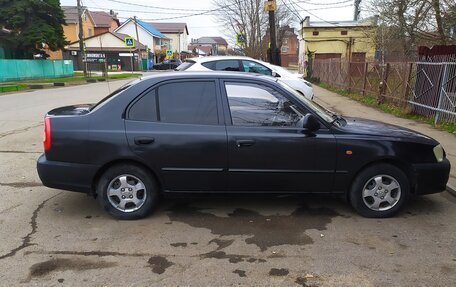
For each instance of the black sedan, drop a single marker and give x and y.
(221, 132)
(168, 64)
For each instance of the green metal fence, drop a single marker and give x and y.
(14, 70)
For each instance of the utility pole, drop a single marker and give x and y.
(81, 38)
(271, 6)
(137, 43)
(357, 11)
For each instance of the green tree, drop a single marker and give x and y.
(32, 25)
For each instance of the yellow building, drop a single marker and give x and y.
(344, 40)
(93, 23)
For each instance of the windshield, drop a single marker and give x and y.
(185, 65)
(282, 71)
(319, 110)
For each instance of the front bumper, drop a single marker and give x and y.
(67, 176)
(431, 177)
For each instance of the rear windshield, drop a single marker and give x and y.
(185, 65)
(116, 92)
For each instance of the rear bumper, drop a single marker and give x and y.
(431, 177)
(66, 176)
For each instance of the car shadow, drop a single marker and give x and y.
(77, 205)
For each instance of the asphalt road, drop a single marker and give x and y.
(56, 238)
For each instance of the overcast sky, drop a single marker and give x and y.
(206, 25)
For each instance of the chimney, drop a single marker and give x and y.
(306, 21)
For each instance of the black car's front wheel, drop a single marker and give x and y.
(127, 191)
(379, 191)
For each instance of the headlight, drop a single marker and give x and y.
(439, 153)
(308, 84)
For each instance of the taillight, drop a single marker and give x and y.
(47, 134)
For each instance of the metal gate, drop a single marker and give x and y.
(434, 92)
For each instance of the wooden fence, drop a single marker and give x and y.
(429, 89)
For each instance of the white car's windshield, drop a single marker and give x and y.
(282, 71)
(323, 113)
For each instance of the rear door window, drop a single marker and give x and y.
(227, 65)
(209, 65)
(188, 103)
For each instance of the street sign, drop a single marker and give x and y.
(169, 53)
(270, 5)
(241, 39)
(129, 42)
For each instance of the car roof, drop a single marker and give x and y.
(217, 58)
(207, 75)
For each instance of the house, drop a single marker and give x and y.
(177, 34)
(349, 40)
(106, 51)
(93, 23)
(147, 34)
(103, 21)
(287, 43)
(213, 45)
(71, 29)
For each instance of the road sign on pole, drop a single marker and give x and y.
(129, 42)
(241, 39)
(270, 5)
(169, 53)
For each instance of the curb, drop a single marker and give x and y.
(451, 189)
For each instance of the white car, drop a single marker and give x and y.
(246, 64)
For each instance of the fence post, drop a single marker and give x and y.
(407, 83)
(366, 67)
(442, 92)
(383, 84)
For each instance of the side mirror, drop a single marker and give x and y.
(274, 74)
(311, 123)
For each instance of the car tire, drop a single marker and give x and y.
(127, 192)
(379, 191)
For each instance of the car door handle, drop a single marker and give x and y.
(144, 140)
(245, 143)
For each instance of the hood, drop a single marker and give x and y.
(75, 110)
(369, 127)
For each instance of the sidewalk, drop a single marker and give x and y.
(351, 108)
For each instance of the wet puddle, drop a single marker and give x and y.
(264, 231)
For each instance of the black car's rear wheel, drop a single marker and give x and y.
(127, 191)
(379, 191)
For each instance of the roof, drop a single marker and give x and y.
(210, 40)
(170, 27)
(368, 22)
(71, 14)
(149, 28)
(215, 58)
(208, 74)
(120, 36)
(102, 19)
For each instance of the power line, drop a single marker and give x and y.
(157, 7)
(312, 14)
(327, 8)
(294, 8)
(138, 11)
(292, 12)
(323, 4)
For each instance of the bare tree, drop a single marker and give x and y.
(248, 17)
(439, 22)
(410, 23)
